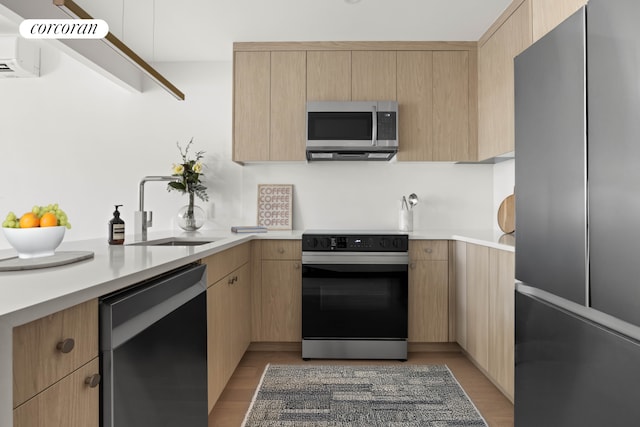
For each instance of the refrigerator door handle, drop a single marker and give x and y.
(587, 313)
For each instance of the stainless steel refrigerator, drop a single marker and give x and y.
(577, 172)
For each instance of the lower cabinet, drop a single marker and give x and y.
(478, 304)
(281, 300)
(56, 369)
(278, 295)
(485, 285)
(502, 318)
(428, 291)
(228, 323)
(71, 402)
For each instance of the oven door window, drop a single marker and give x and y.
(354, 301)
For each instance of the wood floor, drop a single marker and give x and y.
(234, 402)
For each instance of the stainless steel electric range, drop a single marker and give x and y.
(354, 295)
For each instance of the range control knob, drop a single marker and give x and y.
(384, 242)
(311, 242)
(325, 242)
(397, 243)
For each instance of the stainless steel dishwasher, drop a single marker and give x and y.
(153, 352)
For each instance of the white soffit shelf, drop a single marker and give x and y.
(97, 54)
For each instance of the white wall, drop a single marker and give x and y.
(367, 195)
(75, 138)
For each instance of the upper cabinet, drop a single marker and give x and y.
(252, 105)
(339, 75)
(373, 75)
(329, 75)
(454, 104)
(434, 84)
(547, 14)
(436, 97)
(269, 102)
(288, 98)
(521, 24)
(509, 36)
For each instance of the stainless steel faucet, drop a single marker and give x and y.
(142, 219)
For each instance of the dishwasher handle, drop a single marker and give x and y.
(124, 315)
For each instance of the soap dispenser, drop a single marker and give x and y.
(116, 228)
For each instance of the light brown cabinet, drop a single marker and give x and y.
(52, 359)
(329, 75)
(433, 82)
(522, 23)
(415, 103)
(351, 75)
(269, 104)
(460, 304)
(288, 101)
(547, 14)
(251, 106)
(277, 292)
(428, 291)
(478, 304)
(436, 95)
(228, 315)
(496, 129)
(502, 319)
(485, 285)
(373, 75)
(70, 402)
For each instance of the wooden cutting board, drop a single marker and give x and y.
(507, 214)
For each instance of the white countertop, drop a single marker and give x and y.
(30, 294)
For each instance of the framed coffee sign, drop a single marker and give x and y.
(275, 206)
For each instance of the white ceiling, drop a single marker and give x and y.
(204, 30)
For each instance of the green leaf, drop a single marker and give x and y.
(177, 185)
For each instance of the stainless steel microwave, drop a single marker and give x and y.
(352, 130)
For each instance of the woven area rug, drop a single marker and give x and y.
(337, 396)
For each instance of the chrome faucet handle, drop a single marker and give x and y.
(149, 219)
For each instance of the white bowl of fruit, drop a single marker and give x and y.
(36, 233)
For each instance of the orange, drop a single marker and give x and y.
(29, 220)
(48, 220)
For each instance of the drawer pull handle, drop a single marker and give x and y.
(232, 280)
(428, 250)
(65, 346)
(297, 266)
(93, 380)
(280, 250)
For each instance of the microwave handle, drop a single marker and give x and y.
(374, 132)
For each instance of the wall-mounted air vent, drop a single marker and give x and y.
(18, 57)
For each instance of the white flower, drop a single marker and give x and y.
(178, 169)
(197, 168)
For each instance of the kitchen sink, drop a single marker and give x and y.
(174, 241)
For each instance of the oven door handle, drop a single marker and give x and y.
(335, 258)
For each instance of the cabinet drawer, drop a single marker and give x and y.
(282, 249)
(223, 263)
(435, 250)
(43, 352)
(69, 402)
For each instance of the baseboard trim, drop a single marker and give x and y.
(412, 346)
(433, 347)
(506, 394)
(276, 346)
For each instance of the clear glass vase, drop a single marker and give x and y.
(191, 217)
